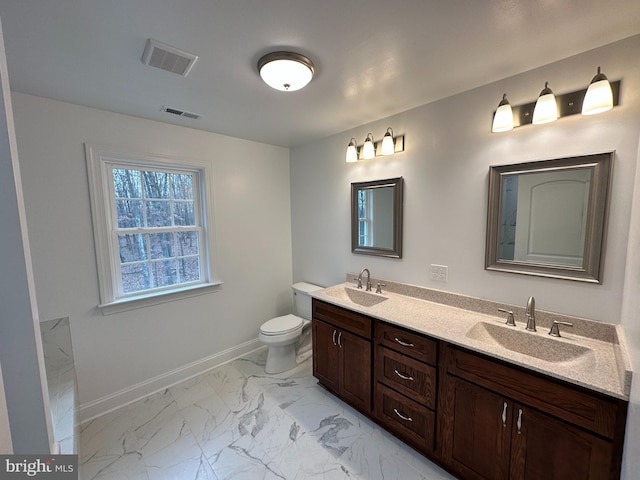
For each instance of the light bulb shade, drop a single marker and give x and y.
(368, 149)
(286, 71)
(546, 109)
(388, 144)
(503, 118)
(599, 96)
(352, 151)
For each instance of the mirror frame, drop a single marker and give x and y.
(601, 165)
(396, 250)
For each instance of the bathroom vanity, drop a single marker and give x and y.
(483, 400)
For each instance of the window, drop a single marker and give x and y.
(364, 218)
(150, 225)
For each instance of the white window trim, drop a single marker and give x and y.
(98, 159)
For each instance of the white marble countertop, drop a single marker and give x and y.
(602, 364)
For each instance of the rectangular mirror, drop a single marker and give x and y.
(548, 218)
(376, 217)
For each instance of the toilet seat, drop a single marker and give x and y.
(281, 325)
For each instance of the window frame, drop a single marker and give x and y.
(100, 162)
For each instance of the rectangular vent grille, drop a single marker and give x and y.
(181, 113)
(163, 56)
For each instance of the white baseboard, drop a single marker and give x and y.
(89, 411)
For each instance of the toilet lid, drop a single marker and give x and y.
(281, 325)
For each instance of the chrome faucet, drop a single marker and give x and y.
(530, 312)
(368, 279)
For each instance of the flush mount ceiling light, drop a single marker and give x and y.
(286, 71)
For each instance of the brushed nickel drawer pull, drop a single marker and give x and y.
(408, 419)
(404, 344)
(340, 339)
(334, 338)
(519, 423)
(402, 376)
(504, 415)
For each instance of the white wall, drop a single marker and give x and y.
(253, 243)
(449, 148)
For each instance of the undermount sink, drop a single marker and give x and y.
(534, 345)
(359, 297)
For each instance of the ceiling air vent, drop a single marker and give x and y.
(180, 113)
(166, 57)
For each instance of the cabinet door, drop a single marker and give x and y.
(548, 448)
(355, 370)
(479, 432)
(326, 355)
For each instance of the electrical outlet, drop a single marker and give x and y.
(439, 273)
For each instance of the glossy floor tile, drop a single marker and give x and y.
(236, 422)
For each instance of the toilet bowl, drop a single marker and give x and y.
(282, 335)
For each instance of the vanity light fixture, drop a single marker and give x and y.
(352, 151)
(601, 96)
(371, 149)
(388, 145)
(286, 71)
(368, 150)
(546, 109)
(503, 119)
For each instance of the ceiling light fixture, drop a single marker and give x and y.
(503, 118)
(286, 71)
(599, 97)
(546, 109)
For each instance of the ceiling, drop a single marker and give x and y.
(373, 58)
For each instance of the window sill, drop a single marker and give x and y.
(142, 301)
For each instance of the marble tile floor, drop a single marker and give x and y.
(236, 422)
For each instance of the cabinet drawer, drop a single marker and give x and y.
(595, 413)
(408, 343)
(414, 379)
(342, 318)
(412, 422)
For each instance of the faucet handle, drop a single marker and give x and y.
(379, 287)
(555, 329)
(510, 320)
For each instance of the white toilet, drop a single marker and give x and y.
(283, 334)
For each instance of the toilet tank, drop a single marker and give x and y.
(302, 299)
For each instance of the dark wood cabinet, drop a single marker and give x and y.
(342, 360)
(405, 376)
(545, 447)
(495, 431)
(480, 418)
